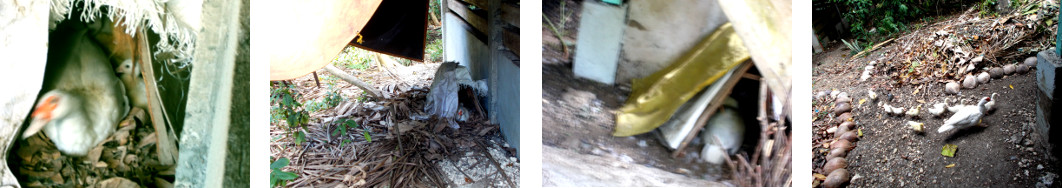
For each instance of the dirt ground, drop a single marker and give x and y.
(1003, 154)
(578, 120)
(577, 116)
(127, 156)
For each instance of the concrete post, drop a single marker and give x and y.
(1048, 106)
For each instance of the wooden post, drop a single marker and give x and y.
(167, 148)
(713, 106)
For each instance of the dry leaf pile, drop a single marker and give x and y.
(405, 149)
(946, 49)
(127, 157)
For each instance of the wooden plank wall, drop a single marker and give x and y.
(477, 18)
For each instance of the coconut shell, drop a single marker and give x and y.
(851, 136)
(837, 152)
(983, 78)
(842, 108)
(1022, 68)
(843, 99)
(1030, 61)
(996, 72)
(842, 144)
(952, 87)
(839, 178)
(969, 82)
(844, 117)
(850, 125)
(842, 95)
(840, 130)
(834, 164)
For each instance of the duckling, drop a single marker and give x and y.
(937, 109)
(957, 107)
(916, 126)
(133, 80)
(887, 108)
(914, 111)
(891, 110)
(991, 105)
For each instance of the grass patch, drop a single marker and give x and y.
(433, 52)
(354, 58)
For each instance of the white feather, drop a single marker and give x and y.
(966, 117)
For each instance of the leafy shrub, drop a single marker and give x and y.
(276, 175)
(870, 19)
(289, 110)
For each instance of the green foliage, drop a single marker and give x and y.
(345, 124)
(882, 18)
(289, 110)
(331, 99)
(342, 129)
(434, 50)
(853, 46)
(986, 7)
(354, 58)
(278, 177)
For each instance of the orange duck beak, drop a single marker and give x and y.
(41, 116)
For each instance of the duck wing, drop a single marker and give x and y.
(81, 68)
(966, 117)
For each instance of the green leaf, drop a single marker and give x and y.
(366, 135)
(286, 175)
(949, 150)
(280, 163)
(288, 100)
(299, 138)
(351, 123)
(342, 129)
(291, 121)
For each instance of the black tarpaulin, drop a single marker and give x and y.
(398, 28)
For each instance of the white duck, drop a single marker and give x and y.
(991, 105)
(966, 117)
(83, 101)
(937, 109)
(892, 110)
(727, 126)
(957, 107)
(133, 80)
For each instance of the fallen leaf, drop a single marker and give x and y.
(820, 176)
(921, 101)
(860, 131)
(861, 101)
(1011, 86)
(916, 91)
(949, 150)
(950, 165)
